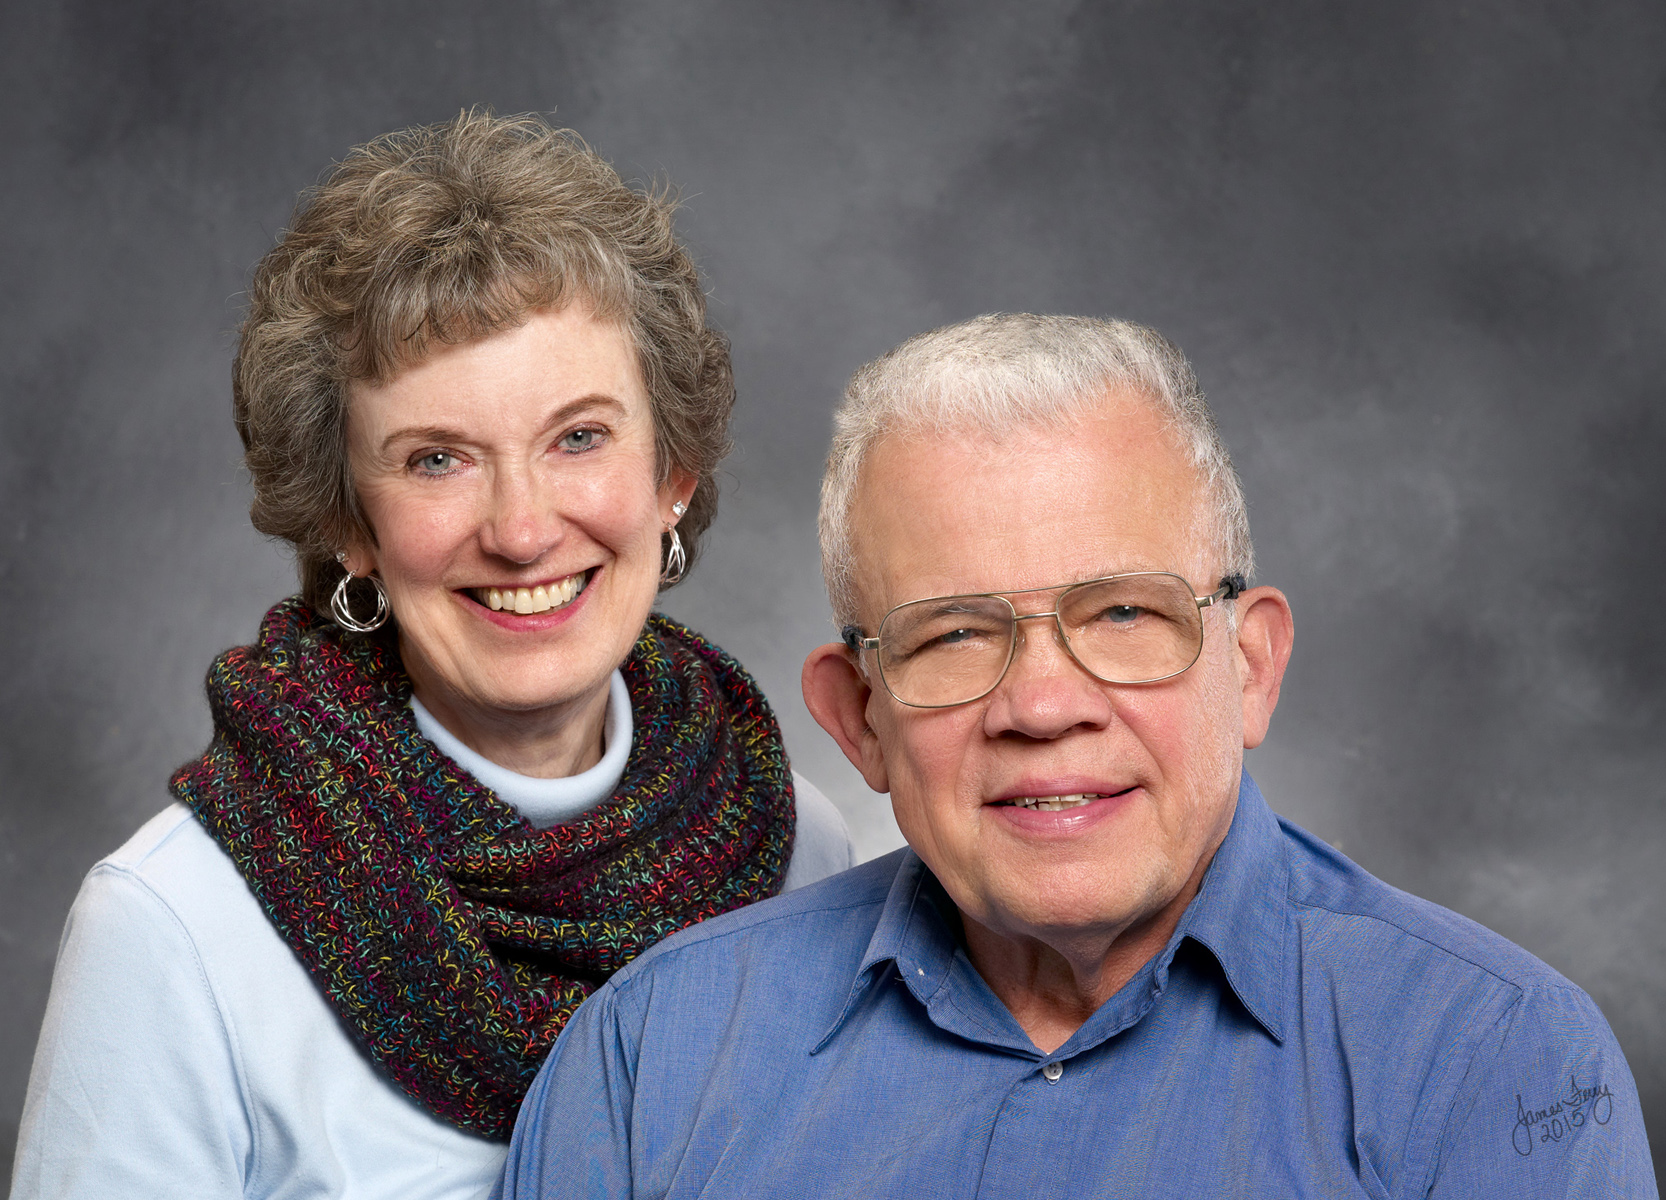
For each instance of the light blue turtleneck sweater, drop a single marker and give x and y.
(187, 1050)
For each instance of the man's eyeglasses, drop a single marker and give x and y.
(1140, 627)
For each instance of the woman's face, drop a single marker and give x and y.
(510, 485)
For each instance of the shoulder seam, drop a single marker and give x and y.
(135, 864)
(1559, 984)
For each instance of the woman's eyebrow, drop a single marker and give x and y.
(421, 433)
(446, 434)
(574, 407)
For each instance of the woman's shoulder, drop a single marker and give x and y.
(169, 835)
(172, 896)
(173, 859)
(185, 1040)
(821, 845)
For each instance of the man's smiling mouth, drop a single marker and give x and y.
(1054, 803)
(526, 601)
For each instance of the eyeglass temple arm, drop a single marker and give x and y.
(852, 638)
(1232, 586)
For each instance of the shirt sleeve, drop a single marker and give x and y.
(134, 1088)
(573, 1135)
(1550, 1110)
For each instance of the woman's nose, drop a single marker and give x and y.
(1045, 692)
(524, 521)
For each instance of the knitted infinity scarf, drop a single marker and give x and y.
(453, 937)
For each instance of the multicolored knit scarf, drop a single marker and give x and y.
(452, 936)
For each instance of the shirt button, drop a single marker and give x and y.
(1052, 1071)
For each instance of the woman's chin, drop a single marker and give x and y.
(529, 692)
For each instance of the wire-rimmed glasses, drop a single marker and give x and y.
(1139, 627)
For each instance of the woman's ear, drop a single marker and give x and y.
(837, 695)
(357, 558)
(677, 489)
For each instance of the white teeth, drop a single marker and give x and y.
(1055, 803)
(532, 600)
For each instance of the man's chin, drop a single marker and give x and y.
(1072, 902)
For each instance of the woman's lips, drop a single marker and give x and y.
(531, 601)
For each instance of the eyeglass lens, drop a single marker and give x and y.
(1128, 629)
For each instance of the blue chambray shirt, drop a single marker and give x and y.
(1308, 1031)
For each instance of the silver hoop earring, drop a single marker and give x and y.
(345, 618)
(676, 562)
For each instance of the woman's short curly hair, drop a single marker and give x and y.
(442, 234)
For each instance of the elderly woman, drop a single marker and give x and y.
(466, 774)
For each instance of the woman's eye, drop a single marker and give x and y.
(580, 439)
(437, 462)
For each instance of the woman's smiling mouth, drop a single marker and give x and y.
(527, 601)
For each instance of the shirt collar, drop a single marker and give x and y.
(912, 934)
(1239, 915)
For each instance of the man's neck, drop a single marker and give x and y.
(1053, 982)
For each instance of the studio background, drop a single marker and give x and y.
(1415, 251)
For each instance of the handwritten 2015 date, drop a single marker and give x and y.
(1535, 1126)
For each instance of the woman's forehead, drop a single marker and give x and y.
(551, 359)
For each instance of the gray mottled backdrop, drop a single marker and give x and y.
(1416, 251)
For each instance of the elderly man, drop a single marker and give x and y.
(1102, 967)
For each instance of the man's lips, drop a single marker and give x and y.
(1060, 810)
(1049, 800)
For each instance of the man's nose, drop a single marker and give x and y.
(1045, 692)
(523, 521)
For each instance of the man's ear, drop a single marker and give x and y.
(1266, 635)
(837, 696)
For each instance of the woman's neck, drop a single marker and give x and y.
(547, 743)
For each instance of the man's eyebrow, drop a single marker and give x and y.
(426, 434)
(950, 606)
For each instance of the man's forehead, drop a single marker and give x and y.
(937, 512)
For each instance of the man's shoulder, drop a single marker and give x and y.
(1373, 924)
(835, 917)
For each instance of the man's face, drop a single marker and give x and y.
(1109, 493)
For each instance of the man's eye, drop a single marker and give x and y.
(1121, 614)
(580, 439)
(436, 463)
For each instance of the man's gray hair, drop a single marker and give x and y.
(1006, 371)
